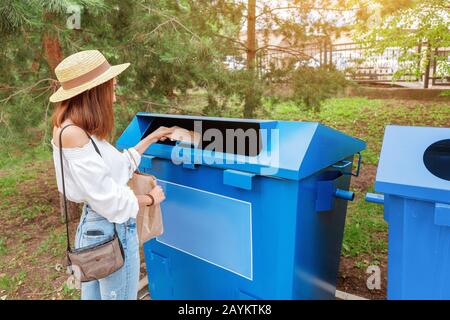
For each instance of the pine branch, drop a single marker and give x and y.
(243, 45)
(271, 10)
(26, 89)
(291, 51)
(14, 15)
(171, 106)
(173, 19)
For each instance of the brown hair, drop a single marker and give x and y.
(91, 110)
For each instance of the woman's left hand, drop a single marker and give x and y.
(158, 194)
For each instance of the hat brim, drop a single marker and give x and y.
(61, 94)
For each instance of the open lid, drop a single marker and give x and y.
(414, 162)
(286, 149)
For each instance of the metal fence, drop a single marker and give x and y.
(354, 60)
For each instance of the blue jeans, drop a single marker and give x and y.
(122, 284)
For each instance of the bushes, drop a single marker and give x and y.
(312, 86)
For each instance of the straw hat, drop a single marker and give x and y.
(83, 71)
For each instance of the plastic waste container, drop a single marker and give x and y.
(258, 215)
(414, 176)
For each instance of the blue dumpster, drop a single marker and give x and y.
(414, 176)
(260, 221)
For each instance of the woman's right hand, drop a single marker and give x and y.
(158, 194)
(161, 133)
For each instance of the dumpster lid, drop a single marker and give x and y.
(301, 149)
(414, 162)
(308, 147)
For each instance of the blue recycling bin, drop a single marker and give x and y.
(259, 218)
(414, 176)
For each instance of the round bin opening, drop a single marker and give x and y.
(437, 159)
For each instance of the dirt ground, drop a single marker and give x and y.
(33, 263)
(352, 279)
(366, 178)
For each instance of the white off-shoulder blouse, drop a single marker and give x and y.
(100, 181)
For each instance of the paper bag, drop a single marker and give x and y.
(149, 221)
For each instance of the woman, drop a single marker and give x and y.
(85, 100)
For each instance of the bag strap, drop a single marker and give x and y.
(63, 182)
(134, 161)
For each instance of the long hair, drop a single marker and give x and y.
(91, 110)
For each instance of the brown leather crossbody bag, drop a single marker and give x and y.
(96, 261)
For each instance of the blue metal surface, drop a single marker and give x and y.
(189, 224)
(238, 179)
(418, 253)
(417, 209)
(327, 189)
(318, 241)
(146, 161)
(401, 170)
(234, 232)
(304, 147)
(442, 214)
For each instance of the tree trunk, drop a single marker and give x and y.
(321, 54)
(251, 35)
(331, 52)
(426, 79)
(419, 51)
(73, 209)
(51, 45)
(53, 52)
(435, 60)
(250, 99)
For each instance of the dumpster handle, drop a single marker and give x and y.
(346, 163)
(375, 198)
(344, 194)
(359, 165)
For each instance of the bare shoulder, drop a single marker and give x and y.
(72, 137)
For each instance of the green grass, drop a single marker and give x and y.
(363, 228)
(15, 153)
(11, 284)
(3, 248)
(8, 185)
(19, 207)
(19, 166)
(14, 174)
(70, 293)
(54, 244)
